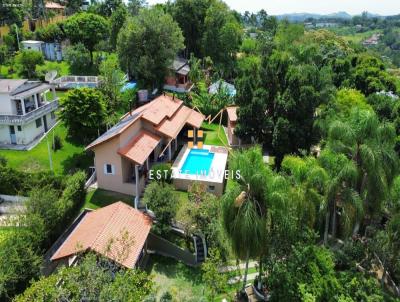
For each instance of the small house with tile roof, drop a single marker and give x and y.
(117, 232)
(144, 136)
(178, 76)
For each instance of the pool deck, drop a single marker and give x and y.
(214, 178)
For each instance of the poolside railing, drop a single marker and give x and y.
(75, 79)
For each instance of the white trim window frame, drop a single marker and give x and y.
(109, 169)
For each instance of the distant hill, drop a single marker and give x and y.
(301, 17)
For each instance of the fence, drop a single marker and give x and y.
(30, 25)
(168, 249)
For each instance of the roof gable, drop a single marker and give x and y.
(103, 231)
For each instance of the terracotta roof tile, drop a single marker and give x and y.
(171, 127)
(166, 113)
(140, 147)
(195, 119)
(102, 231)
(162, 107)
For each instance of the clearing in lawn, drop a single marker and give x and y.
(99, 198)
(214, 134)
(69, 158)
(184, 283)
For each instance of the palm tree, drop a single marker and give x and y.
(372, 163)
(244, 206)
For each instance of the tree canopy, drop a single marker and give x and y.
(147, 46)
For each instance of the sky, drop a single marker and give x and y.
(353, 7)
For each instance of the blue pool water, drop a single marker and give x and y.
(129, 85)
(80, 85)
(198, 162)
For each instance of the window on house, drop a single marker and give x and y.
(53, 115)
(38, 123)
(109, 169)
(211, 188)
(19, 128)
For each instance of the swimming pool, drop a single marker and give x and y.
(198, 161)
(79, 85)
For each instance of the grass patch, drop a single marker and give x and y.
(182, 281)
(350, 34)
(5, 232)
(60, 95)
(214, 135)
(100, 198)
(69, 158)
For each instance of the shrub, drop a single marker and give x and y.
(74, 194)
(3, 161)
(78, 58)
(26, 62)
(14, 182)
(160, 198)
(57, 143)
(83, 112)
(50, 33)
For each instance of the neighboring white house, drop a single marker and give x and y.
(26, 112)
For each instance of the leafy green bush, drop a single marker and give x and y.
(14, 182)
(57, 143)
(50, 33)
(74, 194)
(83, 112)
(3, 161)
(160, 198)
(26, 62)
(78, 58)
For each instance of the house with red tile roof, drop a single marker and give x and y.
(118, 232)
(125, 153)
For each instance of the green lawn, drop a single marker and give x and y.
(4, 232)
(350, 34)
(100, 198)
(68, 159)
(183, 282)
(60, 94)
(62, 69)
(214, 135)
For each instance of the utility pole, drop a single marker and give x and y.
(49, 151)
(16, 31)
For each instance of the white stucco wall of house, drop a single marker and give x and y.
(5, 104)
(4, 134)
(29, 132)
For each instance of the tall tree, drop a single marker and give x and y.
(117, 20)
(245, 206)
(112, 81)
(107, 7)
(147, 46)
(222, 37)
(370, 147)
(190, 15)
(83, 112)
(26, 62)
(88, 29)
(135, 5)
(11, 12)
